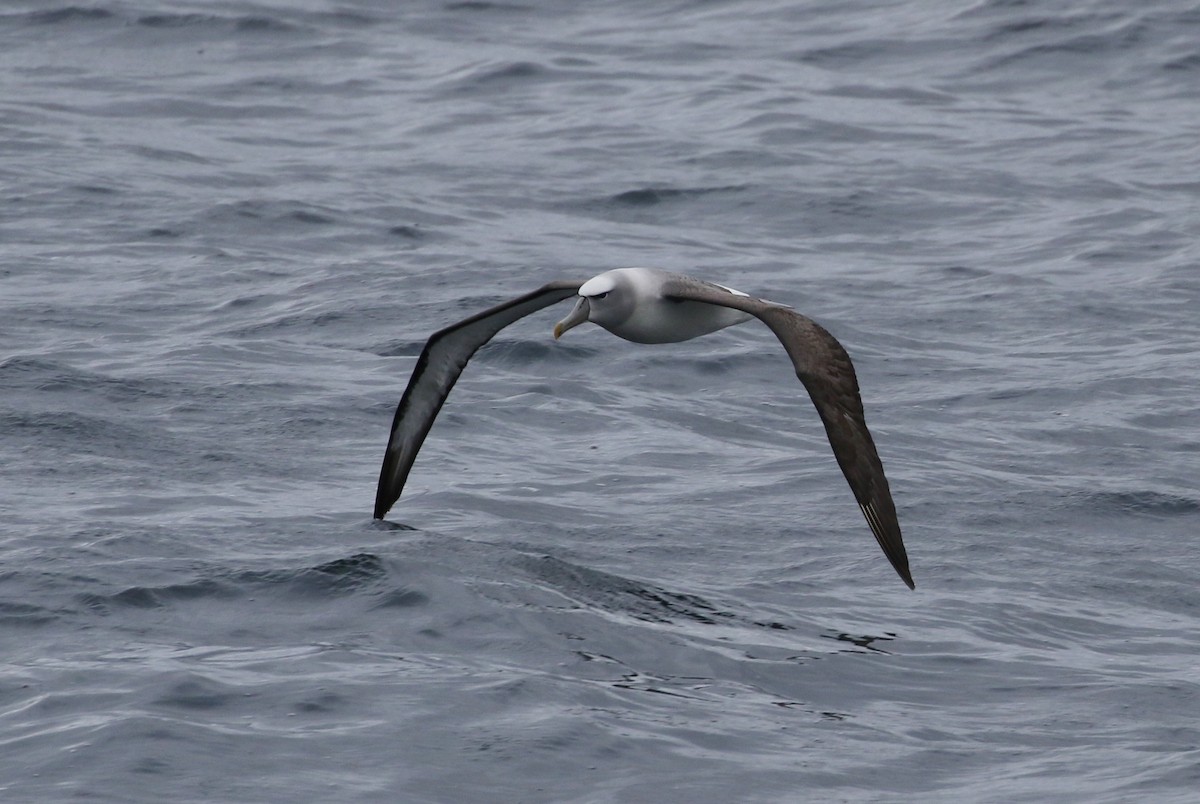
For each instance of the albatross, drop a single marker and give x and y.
(645, 305)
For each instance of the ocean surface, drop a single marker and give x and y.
(619, 573)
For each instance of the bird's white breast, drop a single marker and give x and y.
(658, 320)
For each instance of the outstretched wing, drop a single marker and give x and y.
(441, 362)
(825, 369)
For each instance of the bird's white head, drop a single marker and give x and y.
(607, 299)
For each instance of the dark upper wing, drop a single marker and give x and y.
(828, 375)
(438, 368)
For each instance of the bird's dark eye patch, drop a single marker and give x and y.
(600, 295)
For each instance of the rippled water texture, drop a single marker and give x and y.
(619, 573)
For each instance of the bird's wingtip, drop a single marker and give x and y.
(381, 508)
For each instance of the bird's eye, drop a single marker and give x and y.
(600, 295)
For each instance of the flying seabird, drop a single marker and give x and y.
(645, 305)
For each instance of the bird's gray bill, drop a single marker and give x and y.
(576, 317)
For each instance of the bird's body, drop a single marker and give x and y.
(630, 303)
(644, 305)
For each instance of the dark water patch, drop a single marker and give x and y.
(66, 14)
(274, 85)
(1188, 63)
(305, 322)
(18, 366)
(273, 217)
(864, 643)
(170, 155)
(653, 196)
(250, 23)
(774, 625)
(147, 597)
(497, 79)
(960, 273)
(255, 23)
(307, 216)
(96, 189)
(479, 6)
(321, 703)
(136, 597)
(640, 682)
(348, 17)
(355, 569)
(616, 594)
(862, 53)
(271, 212)
(1063, 49)
(508, 72)
(61, 381)
(359, 574)
(344, 576)
(198, 693)
(189, 108)
(257, 301)
(645, 197)
(199, 589)
(14, 614)
(1142, 503)
(408, 232)
(104, 604)
(401, 599)
(362, 572)
(151, 766)
(83, 434)
(910, 95)
(1042, 24)
(657, 204)
(387, 524)
(175, 21)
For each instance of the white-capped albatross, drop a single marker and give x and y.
(650, 306)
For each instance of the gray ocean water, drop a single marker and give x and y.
(619, 573)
